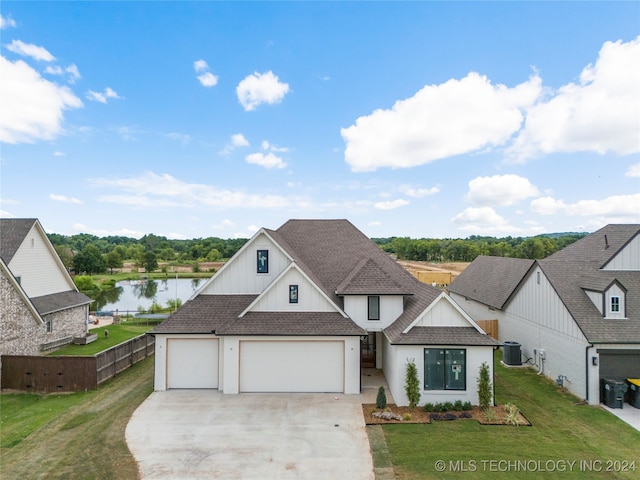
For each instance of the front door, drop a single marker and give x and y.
(368, 351)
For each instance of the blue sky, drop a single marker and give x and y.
(419, 119)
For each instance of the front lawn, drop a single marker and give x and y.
(117, 334)
(562, 432)
(76, 435)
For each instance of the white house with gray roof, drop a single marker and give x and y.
(303, 308)
(575, 313)
(40, 306)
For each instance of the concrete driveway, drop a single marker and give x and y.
(191, 434)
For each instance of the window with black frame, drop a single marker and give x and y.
(445, 369)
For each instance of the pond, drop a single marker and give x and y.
(136, 295)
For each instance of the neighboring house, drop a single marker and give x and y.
(575, 313)
(304, 307)
(40, 306)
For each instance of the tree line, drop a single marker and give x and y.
(89, 254)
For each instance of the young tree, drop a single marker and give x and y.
(150, 262)
(484, 387)
(89, 260)
(412, 384)
(114, 260)
(381, 399)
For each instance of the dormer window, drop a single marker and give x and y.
(263, 261)
(615, 305)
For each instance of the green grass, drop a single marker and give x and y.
(73, 436)
(117, 334)
(561, 431)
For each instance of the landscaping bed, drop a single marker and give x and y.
(499, 415)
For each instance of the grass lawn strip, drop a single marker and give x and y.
(562, 432)
(117, 334)
(74, 436)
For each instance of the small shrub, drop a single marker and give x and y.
(457, 406)
(412, 384)
(450, 416)
(490, 415)
(195, 267)
(387, 409)
(381, 399)
(513, 413)
(435, 416)
(439, 407)
(465, 415)
(447, 406)
(406, 417)
(428, 407)
(467, 406)
(484, 387)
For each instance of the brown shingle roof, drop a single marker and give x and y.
(55, 302)
(292, 323)
(446, 336)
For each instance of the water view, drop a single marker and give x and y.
(136, 295)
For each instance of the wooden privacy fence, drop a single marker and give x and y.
(489, 326)
(71, 373)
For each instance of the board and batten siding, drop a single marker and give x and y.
(38, 267)
(277, 298)
(357, 307)
(239, 275)
(442, 314)
(628, 258)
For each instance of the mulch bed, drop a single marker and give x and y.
(417, 415)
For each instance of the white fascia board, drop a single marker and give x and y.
(292, 266)
(444, 297)
(54, 254)
(247, 245)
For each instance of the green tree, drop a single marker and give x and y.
(114, 260)
(89, 260)
(150, 262)
(65, 254)
(412, 384)
(484, 387)
(381, 398)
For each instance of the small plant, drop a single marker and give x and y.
(372, 411)
(450, 416)
(387, 409)
(467, 406)
(381, 399)
(490, 415)
(513, 413)
(447, 406)
(439, 407)
(457, 406)
(406, 417)
(428, 407)
(484, 387)
(412, 384)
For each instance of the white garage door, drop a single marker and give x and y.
(192, 363)
(291, 366)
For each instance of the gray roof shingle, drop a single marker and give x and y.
(54, 302)
(12, 233)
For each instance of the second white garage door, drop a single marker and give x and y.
(192, 363)
(291, 366)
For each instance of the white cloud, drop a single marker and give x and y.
(598, 114)
(183, 138)
(485, 216)
(200, 66)
(500, 190)
(64, 199)
(58, 153)
(151, 190)
(102, 96)
(267, 161)
(418, 192)
(238, 140)
(374, 223)
(72, 70)
(99, 232)
(260, 88)
(391, 205)
(32, 107)
(7, 22)
(30, 50)
(208, 79)
(634, 171)
(268, 146)
(615, 206)
(453, 118)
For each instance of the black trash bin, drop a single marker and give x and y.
(511, 353)
(613, 392)
(634, 392)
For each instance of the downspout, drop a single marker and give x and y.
(586, 367)
(493, 380)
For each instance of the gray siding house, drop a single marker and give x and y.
(575, 313)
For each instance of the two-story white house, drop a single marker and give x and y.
(575, 313)
(303, 308)
(40, 306)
